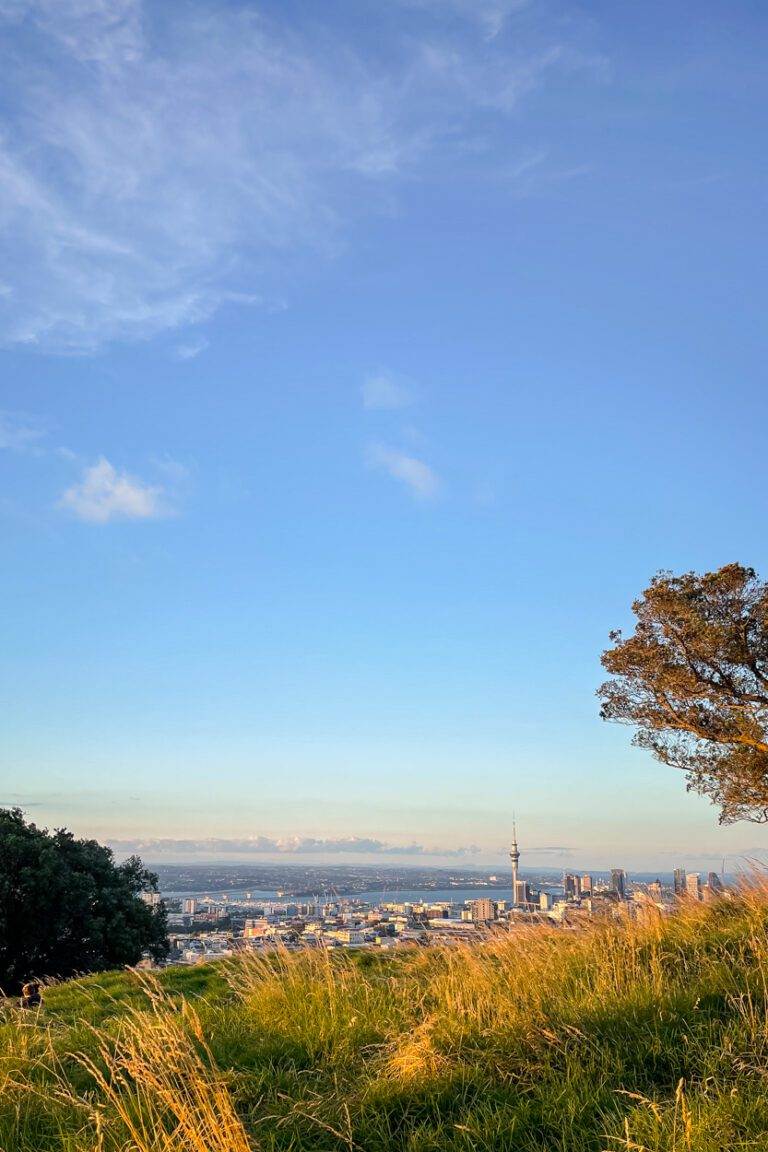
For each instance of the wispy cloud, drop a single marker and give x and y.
(534, 173)
(153, 170)
(386, 392)
(285, 845)
(489, 15)
(105, 493)
(417, 476)
(174, 471)
(191, 348)
(93, 31)
(20, 432)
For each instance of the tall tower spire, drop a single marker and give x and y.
(514, 856)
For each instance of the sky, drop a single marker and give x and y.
(360, 363)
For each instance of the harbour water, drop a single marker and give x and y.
(373, 896)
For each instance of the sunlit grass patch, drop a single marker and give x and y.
(644, 1036)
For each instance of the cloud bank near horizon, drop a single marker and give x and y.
(285, 846)
(371, 850)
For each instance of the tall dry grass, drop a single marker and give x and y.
(649, 1036)
(152, 1084)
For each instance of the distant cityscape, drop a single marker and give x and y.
(213, 914)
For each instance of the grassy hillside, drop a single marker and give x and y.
(621, 1037)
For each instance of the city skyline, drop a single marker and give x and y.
(361, 909)
(361, 365)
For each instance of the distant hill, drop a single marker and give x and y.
(626, 1036)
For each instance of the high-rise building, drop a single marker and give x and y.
(484, 909)
(714, 883)
(514, 856)
(190, 906)
(572, 886)
(523, 896)
(679, 881)
(545, 901)
(693, 885)
(619, 882)
(655, 891)
(586, 885)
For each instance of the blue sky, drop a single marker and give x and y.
(361, 362)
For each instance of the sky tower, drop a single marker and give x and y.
(514, 855)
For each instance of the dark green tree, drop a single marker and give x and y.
(66, 907)
(693, 681)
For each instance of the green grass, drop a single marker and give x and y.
(624, 1036)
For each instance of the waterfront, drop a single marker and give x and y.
(371, 896)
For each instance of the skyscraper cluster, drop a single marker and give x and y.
(578, 889)
(689, 884)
